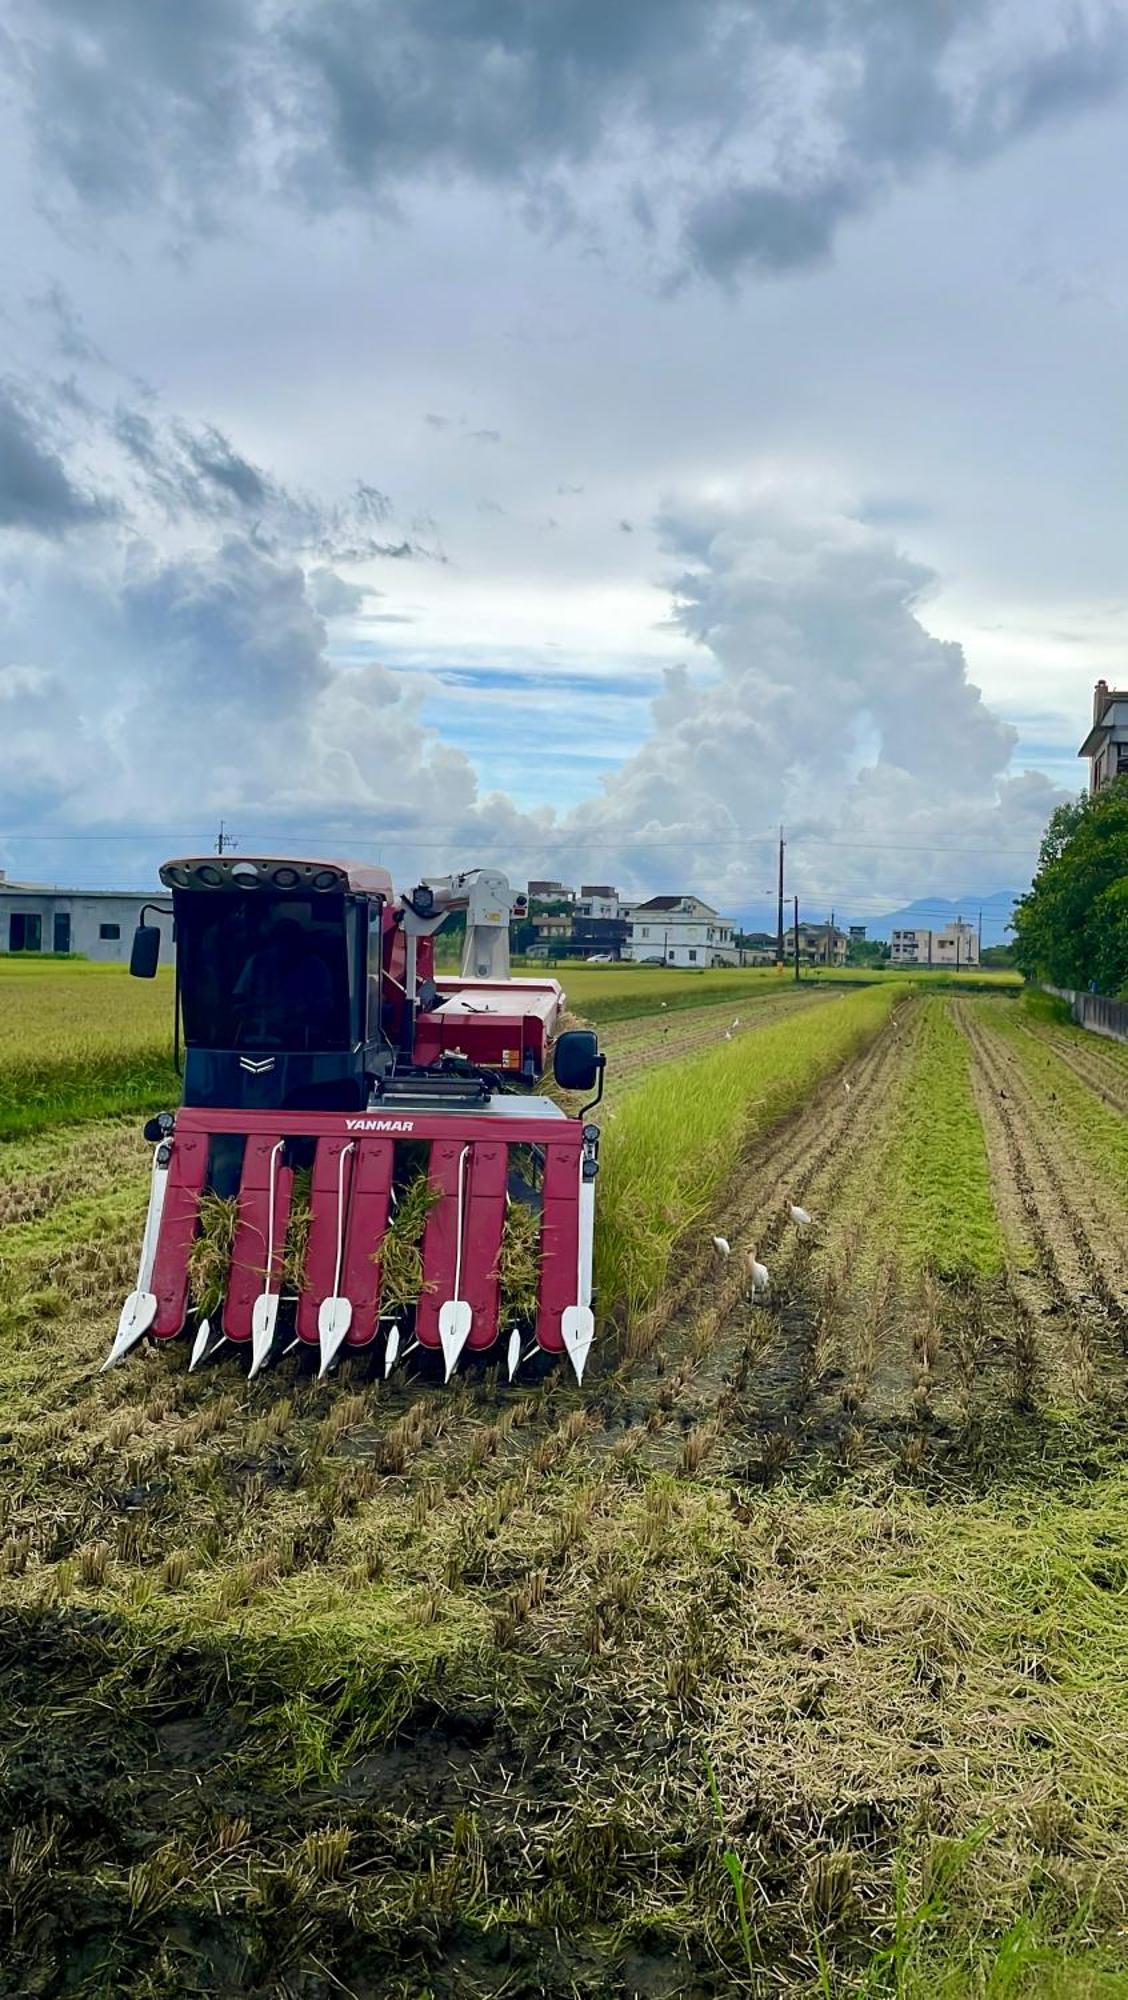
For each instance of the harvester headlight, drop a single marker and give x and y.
(286, 878)
(209, 876)
(246, 874)
(326, 878)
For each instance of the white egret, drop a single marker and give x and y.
(758, 1273)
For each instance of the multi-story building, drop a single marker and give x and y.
(551, 892)
(909, 947)
(956, 945)
(1106, 745)
(680, 930)
(598, 900)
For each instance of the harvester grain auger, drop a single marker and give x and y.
(361, 1153)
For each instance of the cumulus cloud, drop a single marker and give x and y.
(741, 138)
(817, 697)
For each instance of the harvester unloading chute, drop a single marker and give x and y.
(361, 1153)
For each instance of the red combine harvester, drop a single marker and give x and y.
(343, 1109)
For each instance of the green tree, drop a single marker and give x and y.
(1071, 928)
(867, 951)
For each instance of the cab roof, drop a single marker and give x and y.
(277, 871)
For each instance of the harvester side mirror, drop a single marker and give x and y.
(576, 1061)
(144, 957)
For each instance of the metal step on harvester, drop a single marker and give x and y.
(361, 1152)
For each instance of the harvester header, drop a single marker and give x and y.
(361, 1151)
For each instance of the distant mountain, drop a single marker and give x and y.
(931, 913)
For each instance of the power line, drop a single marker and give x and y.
(542, 843)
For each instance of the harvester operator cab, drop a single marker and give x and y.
(310, 985)
(279, 983)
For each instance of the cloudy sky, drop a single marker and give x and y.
(569, 436)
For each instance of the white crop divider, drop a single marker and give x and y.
(264, 1315)
(455, 1315)
(140, 1308)
(577, 1323)
(334, 1316)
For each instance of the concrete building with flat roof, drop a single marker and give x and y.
(38, 917)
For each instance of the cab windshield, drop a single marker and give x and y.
(263, 972)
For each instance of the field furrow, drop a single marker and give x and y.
(1093, 1063)
(1066, 1125)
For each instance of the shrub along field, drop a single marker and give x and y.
(786, 1656)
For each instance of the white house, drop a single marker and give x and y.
(680, 930)
(957, 945)
(1106, 745)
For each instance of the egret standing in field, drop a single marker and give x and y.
(722, 1246)
(758, 1273)
(799, 1216)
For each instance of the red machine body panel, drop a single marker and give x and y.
(497, 1023)
(352, 1177)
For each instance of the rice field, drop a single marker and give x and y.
(785, 1657)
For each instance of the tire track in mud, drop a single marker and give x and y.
(802, 1382)
(1030, 1213)
(1075, 1266)
(731, 1341)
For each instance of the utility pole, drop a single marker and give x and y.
(828, 955)
(959, 927)
(223, 839)
(979, 946)
(779, 904)
(795, 934)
